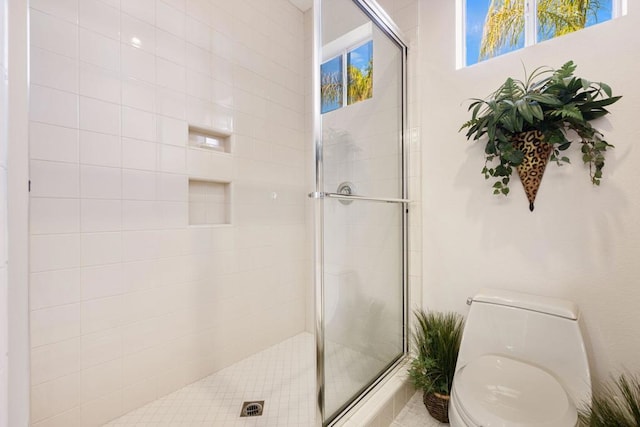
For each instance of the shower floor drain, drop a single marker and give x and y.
(252, 409)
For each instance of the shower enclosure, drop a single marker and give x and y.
(361, 205)
(171, 241)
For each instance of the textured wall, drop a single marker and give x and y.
(582, 242)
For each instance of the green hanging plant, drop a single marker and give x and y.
(555, 103)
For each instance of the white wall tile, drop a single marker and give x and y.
(100, 149)
(101, 248)
(171, 103)
(173, 159)
(65, 9)
(170, 47)
(138, 94)
(52, 361)
(54, 215)
(178, 4)
(98, 412)
(139, 394)
(100, 83)
(99, 116)
(172, 131)
(101, 347)
(198, 59)
(201, 10)
(99, 50)
(41, 100)
(53, 70)
(170, 19)
(101, 215)
(170, 75)
(54, 252)
(55, 397)
(221, 92)
(56, 143)
(144, 10)
(100, 182)
(138, 154)
(101, 314)
(140, 245)
(199, 85)
(52, 288)
(138, 64)
(100, 380)
(50, 325)
(99, 17)
(138, 124)
(137, 33)
(70, 418)
(141, 215)
(198, 33)
(138, 185)
(174, 214)
(141, 275)
(145, 333)
(140, 366)
(102, 281)
(54, 34)
(172, 187)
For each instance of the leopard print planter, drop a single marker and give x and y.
(536, 157)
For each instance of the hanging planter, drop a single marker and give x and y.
(536, 156)
(527, 123)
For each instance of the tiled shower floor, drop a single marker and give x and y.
(283, 376)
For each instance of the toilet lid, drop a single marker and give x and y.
(496, 391)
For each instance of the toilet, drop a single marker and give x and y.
(522, 363)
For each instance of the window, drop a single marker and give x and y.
(353, 66)
(495, 27)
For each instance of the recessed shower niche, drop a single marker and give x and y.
(209, 202)
(210, 139)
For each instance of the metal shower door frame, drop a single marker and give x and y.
(379, 17)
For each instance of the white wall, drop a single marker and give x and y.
(128, 302)
(581, 242)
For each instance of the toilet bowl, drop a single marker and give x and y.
(522, 363)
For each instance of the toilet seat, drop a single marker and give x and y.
(497, 391)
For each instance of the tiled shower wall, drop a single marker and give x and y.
(129, 302)
(4, 119)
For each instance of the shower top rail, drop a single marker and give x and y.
(321, 195)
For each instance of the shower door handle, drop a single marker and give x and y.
(321, 195)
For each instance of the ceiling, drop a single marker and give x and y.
(303, 5)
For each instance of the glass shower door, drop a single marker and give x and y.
(362, 207)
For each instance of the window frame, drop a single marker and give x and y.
(341, 47)
(618, 9)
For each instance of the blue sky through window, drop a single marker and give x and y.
(331, 71)
(361, 56)
(476, 12)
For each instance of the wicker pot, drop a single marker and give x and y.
(438, 405)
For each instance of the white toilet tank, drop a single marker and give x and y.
(541, 331)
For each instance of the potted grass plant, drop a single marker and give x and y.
(617, 404)
(436, 343)
(526, 123)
